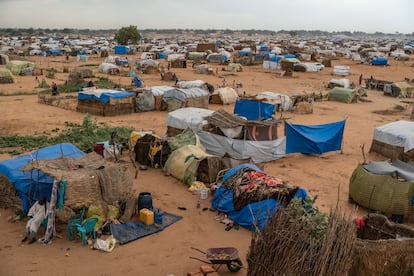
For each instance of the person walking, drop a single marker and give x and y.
(54, 89)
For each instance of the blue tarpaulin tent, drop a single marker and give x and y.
(264, 48)
(252, 215)
(54, 52)
(244, 53)
(254, 110)
(314, 139)
(379, 61)
(137, 81)
(31, 185)
(276, 58)
(103, 96)
(121, 49)
(162, 55)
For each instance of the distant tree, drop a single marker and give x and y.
(127, 35)
(293, 33)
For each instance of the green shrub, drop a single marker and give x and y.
(83, 136)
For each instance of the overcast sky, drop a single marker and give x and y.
(327, 15)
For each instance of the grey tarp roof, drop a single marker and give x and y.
(181, 94)
(259, 151)
(405, 170)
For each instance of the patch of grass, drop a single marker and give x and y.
(23, 142)
(69, 88)
(51, 72)
(102, 82)
(89, 64)
(14, 152)
(83, 136)
(19, 93)
(43, 84)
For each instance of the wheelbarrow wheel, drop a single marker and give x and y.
(235, 265)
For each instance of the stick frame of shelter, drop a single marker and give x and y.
(132, 158)
(342, 143)
(112, 142)
(363, 153)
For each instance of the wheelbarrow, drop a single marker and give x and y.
(221, 255)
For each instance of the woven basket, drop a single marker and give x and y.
(381, 193)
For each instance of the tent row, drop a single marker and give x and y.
(220, 132)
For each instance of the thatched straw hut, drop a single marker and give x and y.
(383, 248)
(90, 179)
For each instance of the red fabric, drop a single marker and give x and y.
(99, 149)
(259, 178)
(360, 223)
(266, 179)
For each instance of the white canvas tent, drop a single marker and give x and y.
(151, 97)
(395, 140)
(188, 117)
(108, 68)
(227, 95)
(191, 97)
(345, 83)
(399, 133)
(284, 101)
(341, 70)
(192, 84)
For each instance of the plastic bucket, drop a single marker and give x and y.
(144, 201)
(203, 193)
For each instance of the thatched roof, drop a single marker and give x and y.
(90, 179)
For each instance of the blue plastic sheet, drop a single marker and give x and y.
(130, 231)
(31, 185)
(252, 216)
(104, 97)
(314, 139)
(254, 110)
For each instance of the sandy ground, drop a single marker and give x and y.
(168, 251)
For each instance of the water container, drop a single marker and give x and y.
(144, 201)
(146, 216)
(158, 216)
(203, 193)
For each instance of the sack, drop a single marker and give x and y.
(113, 212)
(105, 245)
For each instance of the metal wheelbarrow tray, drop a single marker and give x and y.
(218, 256)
